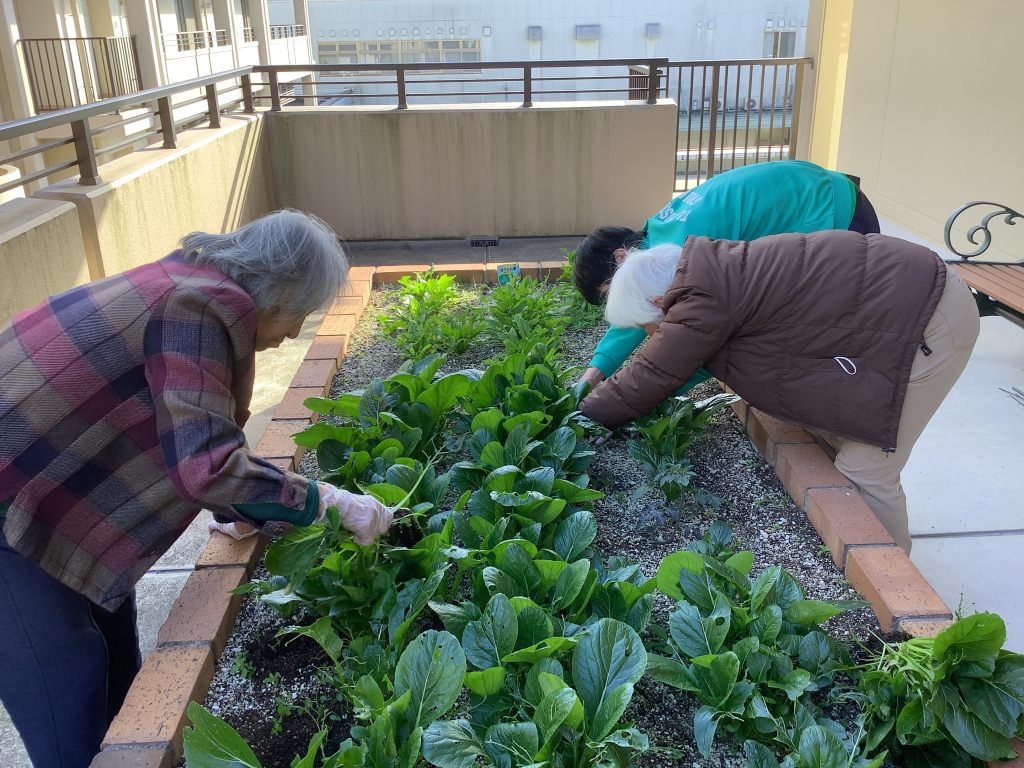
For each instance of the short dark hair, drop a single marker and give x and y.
(595, 259)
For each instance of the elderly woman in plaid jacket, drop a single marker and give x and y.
(121, 411)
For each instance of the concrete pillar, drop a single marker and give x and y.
(144, 24)
(833, 48)
(224, 18)
(301, 13)
(15, 103)
(261, 27)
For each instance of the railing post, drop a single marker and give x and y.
(88, 168)
(212, 105)
(652, 82)
(713, 128)
(794, 124)
(527, 86)
(110, 69)
(249, 104)
(275, 92)
(167, 122)
(403, 103)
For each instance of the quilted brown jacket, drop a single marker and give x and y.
(817, 329)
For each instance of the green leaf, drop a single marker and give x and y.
(742, 562)
(974, 736)
(486, 682)
(766, 624)
(493, 637)
(322, 631)
(758, 755)
(719, 678)
(553, 711)
(697, 636)
(512, 744)
(387, 494)
(670, 672)
(819, 748)
(451, 744)
(444, 394)
(501, 479)
(490, 419)
(455, 617)
(409, 752)
(518, 564)
(815, 651)
(704, 726)
(809, 612)
(432, 669)
(309, 760)
(794, 684)
(293, 555)
(608, 714)
(609, 655)
(574, 534)
(534, 627)
(499, 582)
(385, 445)
(493, 455)
(973, 638)
(368, 693)
(669, 568)
(212, 743)
(542, 650)
(549, 570)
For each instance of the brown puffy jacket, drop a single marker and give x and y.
(820, 330)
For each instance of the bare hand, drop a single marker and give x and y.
(593, 376)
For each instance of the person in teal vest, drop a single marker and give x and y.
(742, 204)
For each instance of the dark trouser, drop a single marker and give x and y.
(65, 664)
(865, 220)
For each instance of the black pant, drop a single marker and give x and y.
(865, 220)
(65, 664)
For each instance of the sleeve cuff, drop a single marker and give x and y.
(265, 511)
(605, 363)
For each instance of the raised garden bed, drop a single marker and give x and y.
(278, 694)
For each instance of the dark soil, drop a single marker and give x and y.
(753, 502)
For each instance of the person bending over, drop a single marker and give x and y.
(742, 204)
(857, 338)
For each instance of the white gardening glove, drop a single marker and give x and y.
(234, 530)
(366, 517)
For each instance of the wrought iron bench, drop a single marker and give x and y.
(998, 285)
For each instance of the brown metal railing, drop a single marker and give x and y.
(734, 113)
(529, 80)
(248, 35)
(194, 41)
(71, 71)
(82, 135)
(282, 31)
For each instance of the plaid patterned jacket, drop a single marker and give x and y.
(121, 412)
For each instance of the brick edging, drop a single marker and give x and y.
(147, 732)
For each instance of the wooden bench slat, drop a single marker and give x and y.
(1012, 276)
(993, 283)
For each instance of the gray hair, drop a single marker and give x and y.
(641, 276)
(286, 260)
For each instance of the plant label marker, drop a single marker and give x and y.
(506, 272)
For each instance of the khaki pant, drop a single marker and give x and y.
(950, 335)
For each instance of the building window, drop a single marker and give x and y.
(653, 31)
(337, 53)
(534, 34)
(487, 31)
(588, 31)
(779, 45)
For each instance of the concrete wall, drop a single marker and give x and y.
(930, 115)
(425, 172)
(215, 181)
(41, 253)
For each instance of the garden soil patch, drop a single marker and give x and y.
(752, 501)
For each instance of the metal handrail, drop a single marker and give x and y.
(81, 133)
(284, 31)
(68, 71)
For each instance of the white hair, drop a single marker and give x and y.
(641, 276)
(286, 260)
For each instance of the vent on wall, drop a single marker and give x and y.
(534, 34)
(653, 31)
(588, 31)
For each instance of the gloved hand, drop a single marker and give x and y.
(234, 530)
(366, 517)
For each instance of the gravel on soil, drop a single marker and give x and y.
(753, 502)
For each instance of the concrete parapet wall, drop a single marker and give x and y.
(41, 253)
(215, 181)
(462, 170)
